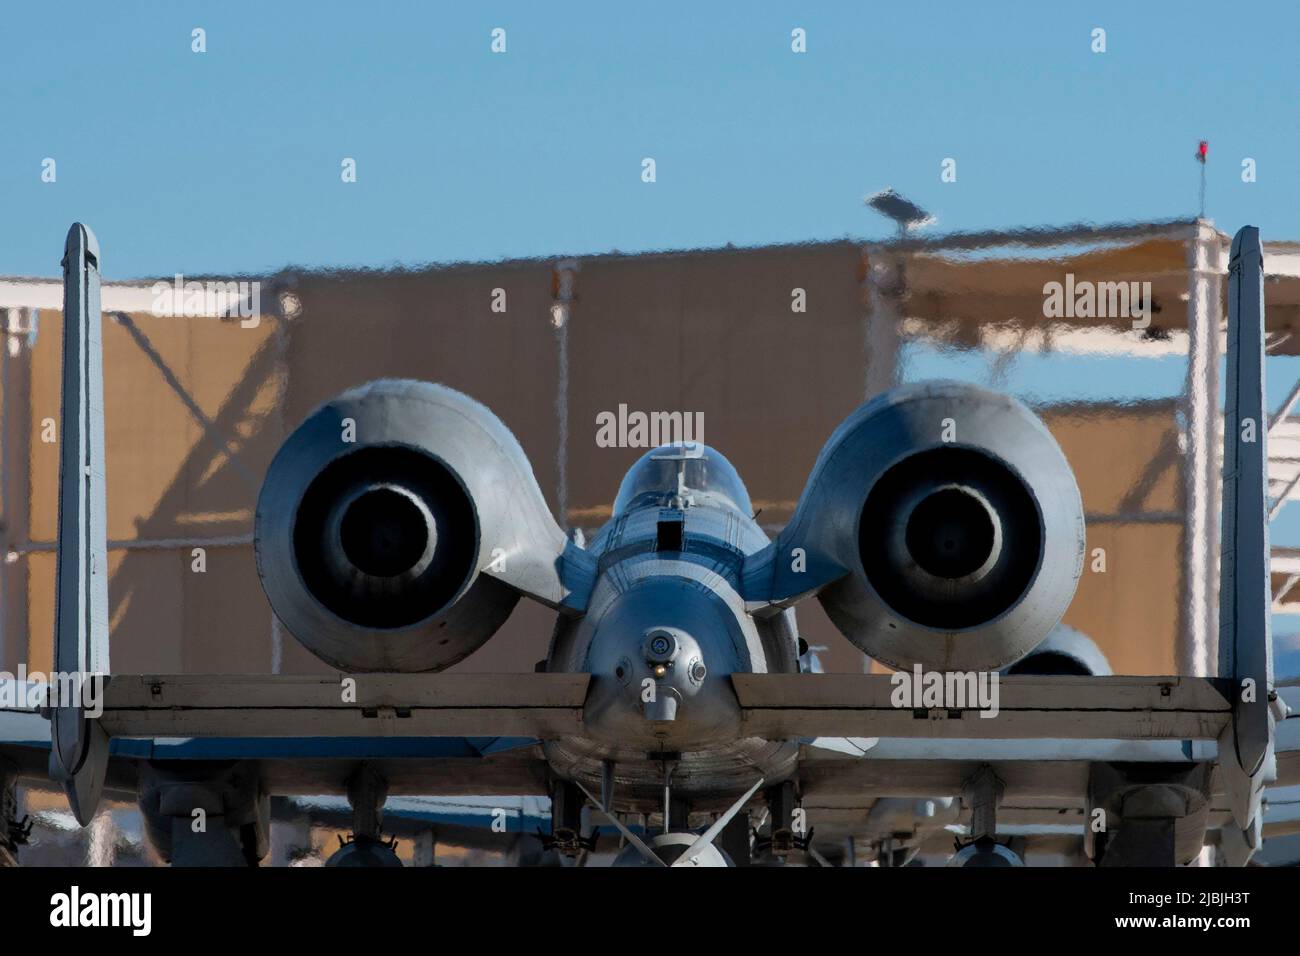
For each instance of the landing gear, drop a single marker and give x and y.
(788, 830)
(566, 822)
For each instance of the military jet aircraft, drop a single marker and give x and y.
(941, 529)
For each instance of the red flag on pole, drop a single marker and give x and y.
(1202, 151)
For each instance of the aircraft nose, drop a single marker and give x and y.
(676, 666)
(660, 655)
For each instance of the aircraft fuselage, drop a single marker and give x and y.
(664, 630)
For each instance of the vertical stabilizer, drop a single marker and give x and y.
(79, 753)
(1245, 647)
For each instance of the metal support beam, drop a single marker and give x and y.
(563, 292)
(1285, 410)
(882, 290)
(1285, 589)
(1197, 647)
(1280, 501)
(15, 483)
(881, 284)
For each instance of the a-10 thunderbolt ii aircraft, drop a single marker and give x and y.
(941, 528)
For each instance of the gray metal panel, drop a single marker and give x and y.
(1071, 708)
(405, 705)
(1032, 750)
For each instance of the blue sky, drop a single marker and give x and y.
(229, 161)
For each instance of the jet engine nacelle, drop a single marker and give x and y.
(957, 519)
(1065, 651)
(397, 527)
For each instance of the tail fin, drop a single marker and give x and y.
(1245, 646)
(79, 753)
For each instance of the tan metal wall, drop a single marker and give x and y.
(709, 332)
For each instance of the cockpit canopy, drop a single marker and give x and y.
(691, 468)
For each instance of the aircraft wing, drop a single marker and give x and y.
(302, 745)
(1029, 768)
(1056, 707)
(907, 793)
(1045, 724)
(364, 705)
(869, 769)
(775, 706)
(302, 766)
